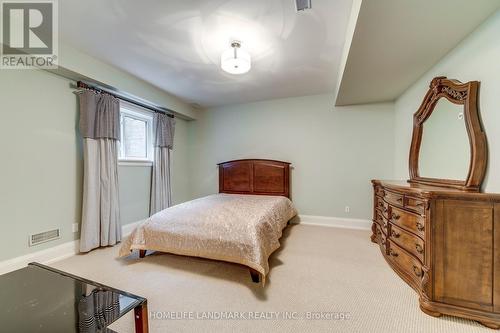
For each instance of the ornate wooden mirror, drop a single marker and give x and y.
(448, 146)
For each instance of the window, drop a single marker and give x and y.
(136, 144)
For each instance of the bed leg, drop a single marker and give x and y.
(255, 275)
(142, 253)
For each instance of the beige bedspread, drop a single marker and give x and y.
(243, 229)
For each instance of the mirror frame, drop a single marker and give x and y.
(465, 94)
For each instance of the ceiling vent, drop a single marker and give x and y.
(43, 237)
(303, 4)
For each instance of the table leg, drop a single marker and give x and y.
(141, 318)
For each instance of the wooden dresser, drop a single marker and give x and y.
(437, 230)
(445, 243)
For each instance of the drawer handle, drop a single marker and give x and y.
(417, 271)
(399, 200)
(423, 205)
(419, 248)
(420, 226)
(395, 234)
(395, 216)
(392, 253)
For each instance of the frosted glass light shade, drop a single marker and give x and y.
(235, 61)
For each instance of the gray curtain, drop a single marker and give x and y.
(98, 310)
(100, 128)
(161, 192)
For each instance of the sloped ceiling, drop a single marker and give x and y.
(397, 41)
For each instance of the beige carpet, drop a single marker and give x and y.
(318, 269)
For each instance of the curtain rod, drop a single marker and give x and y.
(125, 97)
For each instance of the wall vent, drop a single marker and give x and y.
(303, 4)
(43, 237)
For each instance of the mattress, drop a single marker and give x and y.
(243, 229)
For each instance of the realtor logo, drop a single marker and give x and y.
(29, 34)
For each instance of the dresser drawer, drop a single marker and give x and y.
(394, 198)
(381, 221)
(406, 262)
(379, 191)
(444, 243)
(407, 241)
(415, 205)
(383, 206)
(381, 240)
(408, 221)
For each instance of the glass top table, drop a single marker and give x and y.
(39, 298)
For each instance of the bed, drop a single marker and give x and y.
(241, 224)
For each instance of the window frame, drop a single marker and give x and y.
(135, 112)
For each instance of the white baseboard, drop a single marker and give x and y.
(69, 249)
(46, 256)
(335, 222)
(53, 254)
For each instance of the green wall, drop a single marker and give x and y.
(135, 185)
(41, 168)
(334, 151)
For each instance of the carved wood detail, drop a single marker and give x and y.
(465, 94)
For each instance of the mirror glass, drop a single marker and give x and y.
(445, 148)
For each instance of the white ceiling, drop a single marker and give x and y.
(176, 45)
(397, 41)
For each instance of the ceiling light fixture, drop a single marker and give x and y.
(235, 60)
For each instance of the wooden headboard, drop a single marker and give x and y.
(255, 176)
